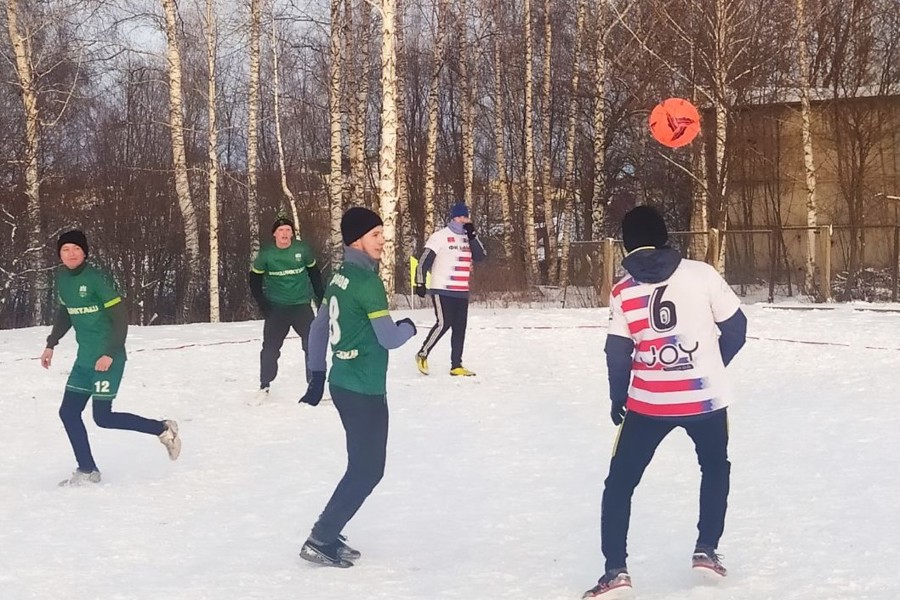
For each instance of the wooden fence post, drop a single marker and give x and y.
(607, 269)
(824, 232)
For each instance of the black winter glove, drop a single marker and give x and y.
(411, 324)
(617, 414)
(315, 389)
(420, 290)
(470, 230)
(265, 308)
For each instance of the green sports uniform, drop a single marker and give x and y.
(354, 296)
(86, 293)
(285, 278)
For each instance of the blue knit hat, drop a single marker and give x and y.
(459, 210)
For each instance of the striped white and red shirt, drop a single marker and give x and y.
(453, 260)
(677, 368)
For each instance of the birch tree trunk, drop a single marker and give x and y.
(279, 139)
(358, 66)
(568, 215)
(437, 64)
(546, 151)
(388, 157)
(253, 127)
(500, 145)
(468, 104)
(24, 56)
(532, 271)
(179, 161)
(335, 183)
(598, 199)
(407, 242)
(213, 156)
(812, 210)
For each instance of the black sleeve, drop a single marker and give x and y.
(734, 334)
(425, 262)
(119, 317)
(315, 277)
(256, 288)
(618, 364)
(478, 251)
(61, 324)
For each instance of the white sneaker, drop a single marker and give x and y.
(79, 478)
(260, 397)
(170, 439)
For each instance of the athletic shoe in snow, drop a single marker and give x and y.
(169, 438)
(422, 363)
(260, 396)
(324, 554)
(706, 562)
(462, 372)
(615, 583)
(79, 478)
(346, 551)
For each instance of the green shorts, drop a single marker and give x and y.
(102, 385)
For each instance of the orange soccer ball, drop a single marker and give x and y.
(674, 122)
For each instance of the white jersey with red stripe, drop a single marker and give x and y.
(677, 368)
(452, 262)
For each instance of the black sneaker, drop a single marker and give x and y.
(615, 583)
(707, 562)
(324, 554)
(346, 551)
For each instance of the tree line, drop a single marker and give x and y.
(174, 132)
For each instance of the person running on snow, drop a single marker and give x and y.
(90, 303)
(674, 326)
(449, 254)
(356, 319)
(284, 280)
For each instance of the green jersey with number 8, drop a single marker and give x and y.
(354, 297)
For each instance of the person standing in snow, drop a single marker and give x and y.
(448, 255)
(284, 281)
(90, 303)
(674, 326)
(356, 320)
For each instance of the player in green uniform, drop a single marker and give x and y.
(284, 280)
(356, 319)
(90, 303)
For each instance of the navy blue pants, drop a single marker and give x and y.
(74, 403)
(639, 438)
(451, 313)
(365, 420)
(279, 322)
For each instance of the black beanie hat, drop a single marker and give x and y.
(644, 226)
(283, 220)
(73, 236)
(357, 222)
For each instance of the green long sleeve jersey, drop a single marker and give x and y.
(285, 277)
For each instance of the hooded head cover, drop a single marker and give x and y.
(73, 236)
(459, 210)
(644, 226)
(357, 222)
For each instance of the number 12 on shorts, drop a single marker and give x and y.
(101, 387)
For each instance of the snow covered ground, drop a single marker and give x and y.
(493, 483)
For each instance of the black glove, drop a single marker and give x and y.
(470, 230)
(420, 290)
(315, 389)
(265, 308)
(408, 320)
(617, 413)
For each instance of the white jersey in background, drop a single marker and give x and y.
(452, 266)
